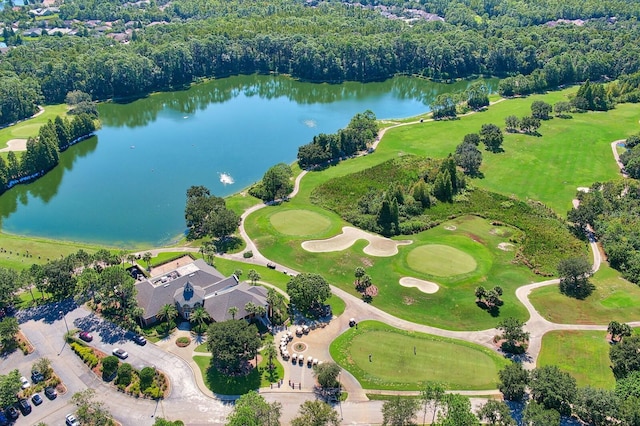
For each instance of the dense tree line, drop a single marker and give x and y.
(330, 42)
(42, 152)
(361, 131)
(612, 209)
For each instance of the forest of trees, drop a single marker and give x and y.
(330, 42)
(612, 209)
(357, 136)
(42, 152)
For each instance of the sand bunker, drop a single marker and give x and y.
(422, 285)
(505, 246)
(378, 246)
(450, 228)
(15, 145)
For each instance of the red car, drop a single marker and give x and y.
(86, 336)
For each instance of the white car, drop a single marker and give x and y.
(25, 382)
(120, 353)
(71, 420)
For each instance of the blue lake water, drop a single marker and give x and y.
(127, 186)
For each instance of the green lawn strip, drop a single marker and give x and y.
(583, 354)
(241, 202)
(26, 300)
(614, 299)
(394, 366)
(30, 127)
(300, 222)
(569, 154)
(453, 307)
(202, 347)
(387, 397)
(14, 250)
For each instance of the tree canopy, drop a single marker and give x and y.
(232, 343)
(251, 409)
(308, 291)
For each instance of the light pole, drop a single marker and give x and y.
(340, 395)
(64, 317)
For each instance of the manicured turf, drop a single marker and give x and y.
(226, 385)
(583, 354)
(452, 307)
(30, 127)
(458, 364)
(440, 260)
(300, 222)
(20, 253)
(570, 153)
(613, 299)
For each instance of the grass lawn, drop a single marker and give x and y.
(225, 385)
(583, 354)
(440, 260)
(25, 299)
(570, 153)
(458, 364)
(17, 252)
(452, 307)
(613, 299)
(300, 222)
(30, 127)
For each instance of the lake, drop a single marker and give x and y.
(127, 186)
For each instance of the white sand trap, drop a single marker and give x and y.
(505, 246)
(450, 228)
(15, 145)
(422, 285)
(378, 246)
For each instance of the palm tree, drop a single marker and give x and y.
(131, 258)
(481, 293)
(147, 258)
(168, 312)
(359, 273)
(233, 311)
(270, 352)
(238, 273)
(276, 302)
(254, 276)
(199, 315)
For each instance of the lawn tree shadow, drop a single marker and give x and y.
(238, 384)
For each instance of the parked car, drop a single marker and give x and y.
(25, 382)
(120, 353)
(86, 336)
(12, 413)
(71, 420)
(36, 376)
(25, 407)
(36, 399)
(50, 392)
(139, 339)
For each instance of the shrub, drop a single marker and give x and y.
(85, 353)
(153, 391)
(247, 254)
(125, 372)
(109, 367)
(183, 341)
(146, 377)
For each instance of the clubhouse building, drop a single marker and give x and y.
(198, 284)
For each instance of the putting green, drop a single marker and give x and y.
(299, 222)
(395, 365)
(440, 260)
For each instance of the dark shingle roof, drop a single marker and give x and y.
(219, 293)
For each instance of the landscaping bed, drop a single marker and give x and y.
(146, 383)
